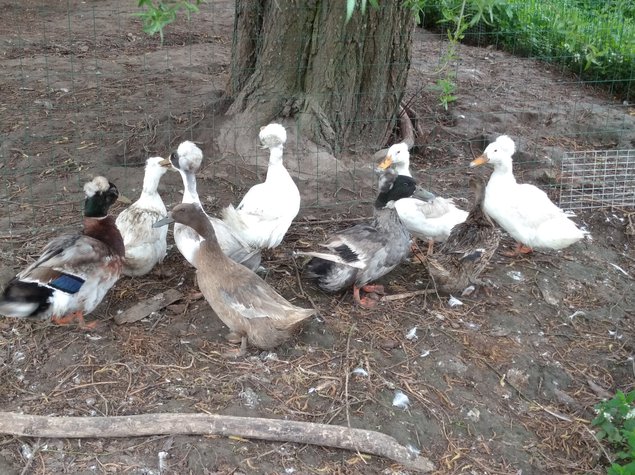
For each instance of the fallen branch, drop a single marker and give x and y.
(361, 440)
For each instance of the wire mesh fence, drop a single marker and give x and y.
(598, 179)
(86, 92)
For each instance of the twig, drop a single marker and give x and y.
(347, 371)
(406, 295)
(368, 441)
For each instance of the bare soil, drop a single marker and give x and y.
(503, 384)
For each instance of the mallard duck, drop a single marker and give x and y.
(430, 220)
(145, 246)
(265, 213)
(187, 161)
(365, 252)
(468, 249)
(252, 309)
(523, 210)
(74, 272)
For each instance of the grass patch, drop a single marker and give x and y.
(595, 39)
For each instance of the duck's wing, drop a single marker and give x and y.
(135, 225)
(234, 246)
(257, 203)
(358, 244)
(253, 298)
(434, 209)
(65, 262)
(534, 206)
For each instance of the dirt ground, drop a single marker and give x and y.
(503, 384)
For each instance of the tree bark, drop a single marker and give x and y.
(366, 441)
(342, 82)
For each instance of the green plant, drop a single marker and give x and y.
(352, 4)
(616, 423)
(158, 14)
(446, 88)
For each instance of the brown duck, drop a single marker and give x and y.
(252, 309)
(468, 249)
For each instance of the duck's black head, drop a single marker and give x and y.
(402, 187)
(100, 195)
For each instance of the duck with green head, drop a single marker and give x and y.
(74, 272)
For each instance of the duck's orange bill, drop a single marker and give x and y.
(479, 161)
(385, 163)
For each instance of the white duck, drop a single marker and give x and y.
(265, 213)
(145, 246)
(523, 210)
(430, 220)
(187, 161)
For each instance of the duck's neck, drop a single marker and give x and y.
(105, 230)
(503, 170)
(275, 163)
(150, 183)
(403, 167)
(190, 195)
(210, 243)
(386, 217)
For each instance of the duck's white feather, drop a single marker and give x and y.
(423, 219)
(187, 162)
(145, 245)
(266, 211)
(430, 219)
(523, 210)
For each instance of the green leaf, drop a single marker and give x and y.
(350, 7)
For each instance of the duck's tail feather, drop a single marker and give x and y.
(334, 258)
(24, 299)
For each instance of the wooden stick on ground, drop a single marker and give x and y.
(366, 441)
(406, 295)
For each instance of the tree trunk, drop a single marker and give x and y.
(342, 82)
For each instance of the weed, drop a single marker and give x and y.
(616, 423)
(158, 14)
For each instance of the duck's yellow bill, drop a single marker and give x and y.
(482, 160)
(165, 163)
(385, 163)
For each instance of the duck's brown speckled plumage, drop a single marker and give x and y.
(250, 307)
(460, 260)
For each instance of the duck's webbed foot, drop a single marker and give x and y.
(518, 250)
(234, 337)
(368, 301)
(73, 317)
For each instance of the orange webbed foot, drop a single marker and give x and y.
(72, 318)
(518, 250)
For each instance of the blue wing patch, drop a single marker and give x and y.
(67, 283)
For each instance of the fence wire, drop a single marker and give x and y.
(85, 96)
(598, 179)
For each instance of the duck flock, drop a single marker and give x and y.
(74, 272)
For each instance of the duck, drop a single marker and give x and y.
(145, 246)
(523, 210)
(187, 161)
(252, 309)
(267, 210)
(430, 219)
(365, 252)
(466, 252)
(74, 272)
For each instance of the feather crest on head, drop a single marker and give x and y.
(272, 135)
(98, 184)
